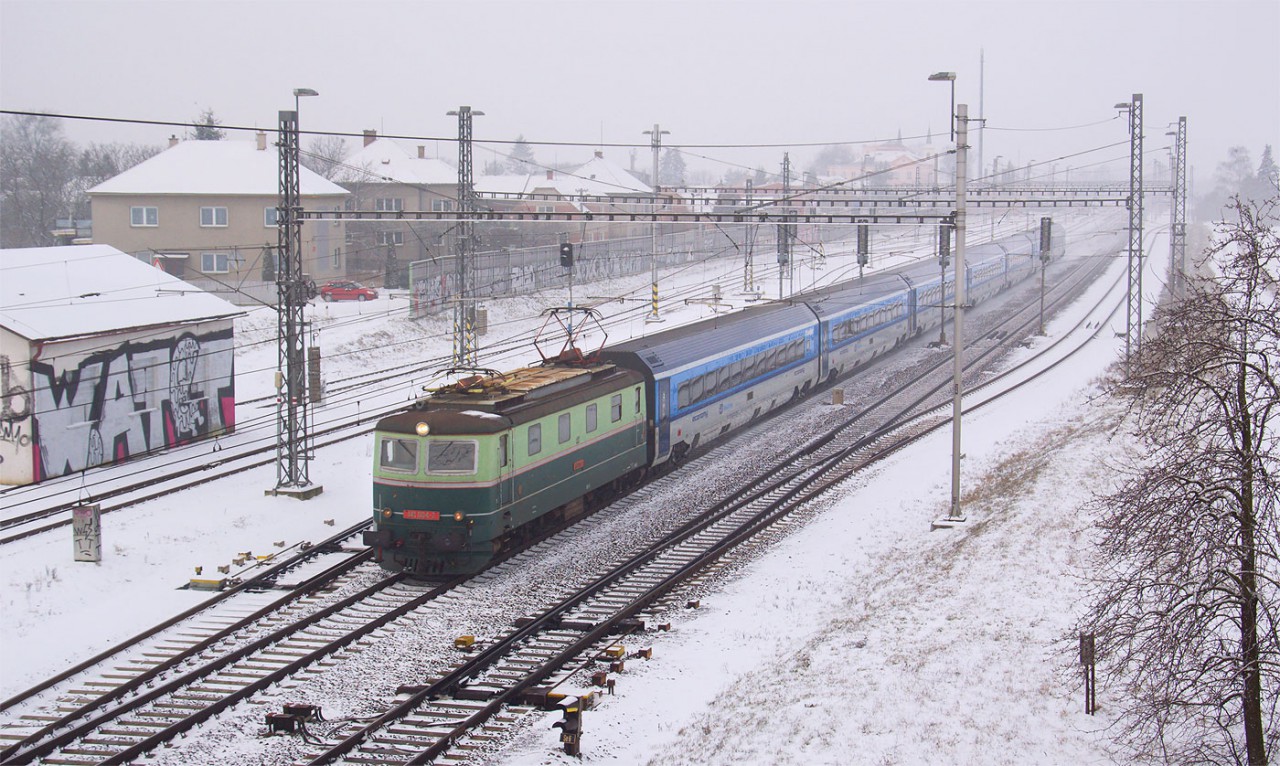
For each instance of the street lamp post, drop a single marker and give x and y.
(951, 78)
(299, 92)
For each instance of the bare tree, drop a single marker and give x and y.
(325, 156)
(1185, 605)
(37, 165)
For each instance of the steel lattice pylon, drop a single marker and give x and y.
(464, 314)
(293, 445)
(1133, 314)
(1178, 233)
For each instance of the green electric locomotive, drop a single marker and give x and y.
(480, 465)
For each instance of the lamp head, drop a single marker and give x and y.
(304, 92)
(942, 76)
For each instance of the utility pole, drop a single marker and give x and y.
(944, 260)
(1133, 313)
(1178, 212)
(293, 440)
(784, 231)
(655, 140)
(464, 314)
(748, 274)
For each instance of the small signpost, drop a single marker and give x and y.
(1087, 662)
(86, 531)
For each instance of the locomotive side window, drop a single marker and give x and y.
(451, 457)
(502, 451)
(637, 400)
(535, 438)
(565, 426)
(399, 454)
(591, 418)
(615, 408)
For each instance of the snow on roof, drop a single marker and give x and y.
(62, 292)
(610, 177)
(213, 167)
(389, 161)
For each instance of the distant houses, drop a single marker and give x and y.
(102, 358)
(205, 212)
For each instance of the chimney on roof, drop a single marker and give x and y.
(173, 141)
(599, 154)
(551, 175)
(422, 152)
(370, 136)
(262, 140)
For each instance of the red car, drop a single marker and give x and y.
(347, 291)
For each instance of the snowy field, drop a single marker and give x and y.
(861, 638)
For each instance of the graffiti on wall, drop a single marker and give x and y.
(137, 397)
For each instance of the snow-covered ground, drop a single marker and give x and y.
(862, 637)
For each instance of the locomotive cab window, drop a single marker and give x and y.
(398, 454)
(451, 456)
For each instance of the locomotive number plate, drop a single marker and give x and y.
(422, 515)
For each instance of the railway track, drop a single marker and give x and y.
(506, 671)
(586, 629)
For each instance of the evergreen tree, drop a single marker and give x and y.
(1268, 173)
(206, 127)
(671, 169)
(521, 161)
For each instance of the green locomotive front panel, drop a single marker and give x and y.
(478, 469)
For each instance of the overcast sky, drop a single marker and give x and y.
(743, 73)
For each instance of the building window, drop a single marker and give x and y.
(213, 216)
(270, 219)
(337, 258)
(441, 205)
(391, 238)
(144, 216)
(535, 439)
(388, 204)
(213, 263)
(546, 208)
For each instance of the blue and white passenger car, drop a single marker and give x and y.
(709, 377)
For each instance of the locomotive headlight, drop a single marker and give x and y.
(386, 513)
(457, 515)
(422, 429)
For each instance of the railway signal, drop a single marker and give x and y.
(571, 728)
(566, 254)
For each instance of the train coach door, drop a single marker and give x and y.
(505, 493)
(662, 420)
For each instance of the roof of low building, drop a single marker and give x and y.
(211, 168)
(48, 293)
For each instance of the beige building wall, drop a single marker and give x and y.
(235, 250)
